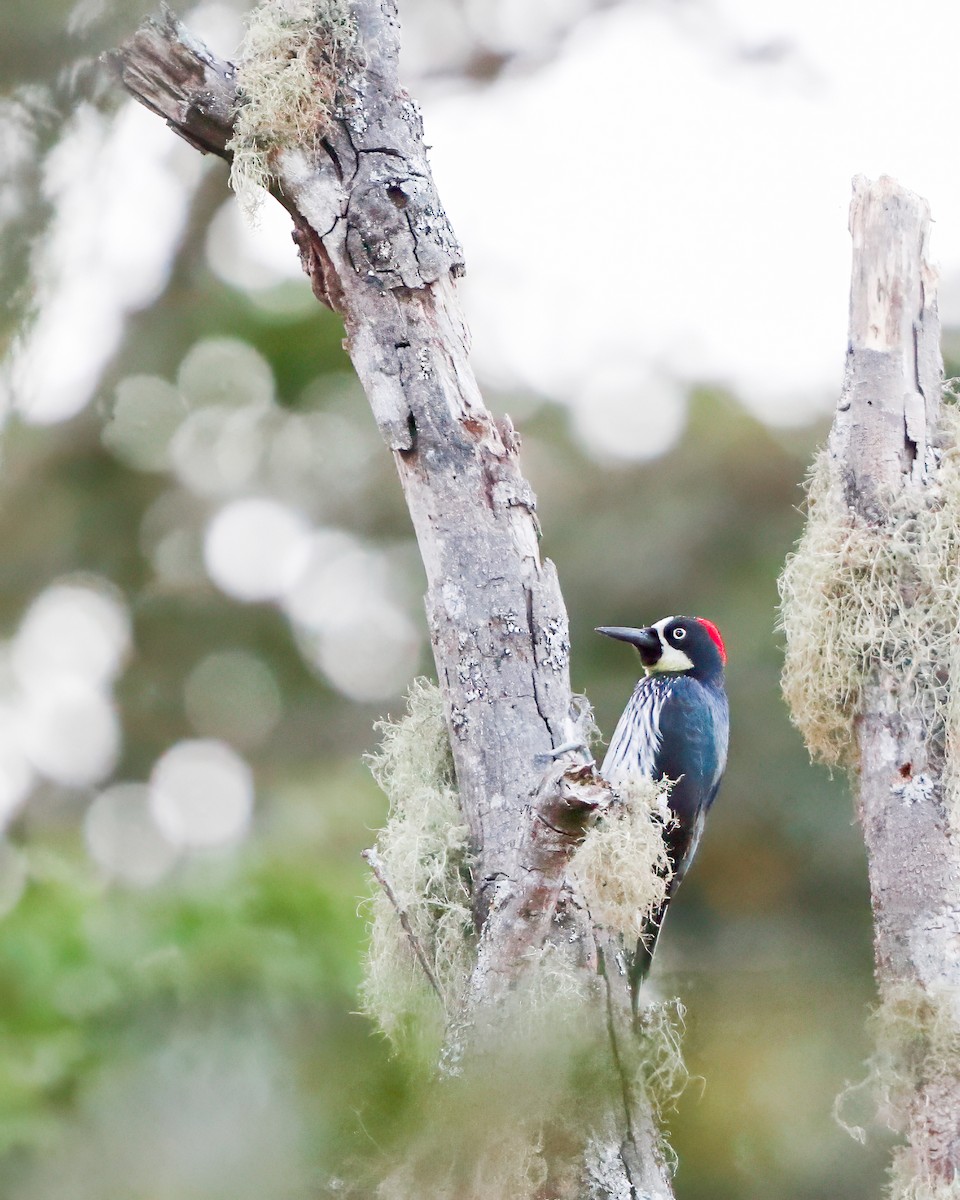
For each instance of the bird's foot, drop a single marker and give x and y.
(571, 747)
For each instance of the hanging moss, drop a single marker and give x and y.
(477, 1137)
(425, 855)
(856, 596)
(622, 867)
(294, 61)
(537, 1102)
(916, 1037)
(905, 1185)
(859, 598)
(663, 1072)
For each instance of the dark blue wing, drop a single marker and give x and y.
(694, 730)
(674, 727)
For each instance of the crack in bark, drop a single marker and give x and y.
(618, 1061)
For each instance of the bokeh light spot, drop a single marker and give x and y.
(338, 576)
(225, 371)
(16, 772)
(256, 548)
(233, 695)
(72, 630)
(252, 259)
(201, 794)
(146, 413)
(622, 415)
(71, 732)
(218, 449)
(124, 839)
(108, 179)
(368, 655)
(347, 622)
(320, 457)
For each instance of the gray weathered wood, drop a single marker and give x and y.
(884, 442)
(376, 244)
(885, 427)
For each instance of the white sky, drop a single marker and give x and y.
(656, 201)
(662, 204)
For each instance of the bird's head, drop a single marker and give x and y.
(676, 644)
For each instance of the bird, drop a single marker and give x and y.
(675, 727)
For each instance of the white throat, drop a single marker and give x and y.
(672, 657)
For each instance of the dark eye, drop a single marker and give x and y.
(679, 634)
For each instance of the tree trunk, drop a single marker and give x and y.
(875, 632)
(376, 244)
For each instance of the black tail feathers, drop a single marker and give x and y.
(642, 957)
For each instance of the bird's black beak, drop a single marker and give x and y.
(647, 641)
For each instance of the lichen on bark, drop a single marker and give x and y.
(294, 64)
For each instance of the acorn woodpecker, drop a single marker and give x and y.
(675, 727)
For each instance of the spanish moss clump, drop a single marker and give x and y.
(553, 980)
(905, 1185)
(510, 1164)
(917, 1038)
(917, 1049)
(425, 857)
(538, 1079)
(514, 1120)
(856, 595)
(295, 58)
(664, 1074)
(622, 866)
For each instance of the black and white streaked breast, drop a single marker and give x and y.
(634, 748)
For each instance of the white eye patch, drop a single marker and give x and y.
(672, 658)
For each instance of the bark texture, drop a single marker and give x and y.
(378, 248)
(885, 429)
(885, 444)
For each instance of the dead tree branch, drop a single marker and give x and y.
(177, 77)
(886, 440)
(377, 247)
(883, 506)
(566, 802)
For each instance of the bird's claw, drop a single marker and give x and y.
(571, 747)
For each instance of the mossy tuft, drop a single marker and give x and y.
(857, 595)
(425, 855)
(622, 867)
(294, 62)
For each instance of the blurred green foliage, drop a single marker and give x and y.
(199, 1038)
